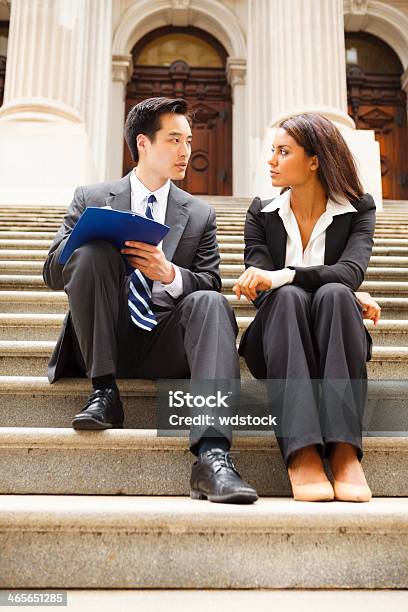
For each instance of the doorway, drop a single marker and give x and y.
(377, 102)
(189, 63)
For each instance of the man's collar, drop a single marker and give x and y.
(283, 203)
(140, 191)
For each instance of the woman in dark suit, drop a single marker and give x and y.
(306, 253)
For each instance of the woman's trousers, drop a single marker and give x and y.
(312, 349)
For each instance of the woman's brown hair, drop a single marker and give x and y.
(337, 169)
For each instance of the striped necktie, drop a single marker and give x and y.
(140, 289)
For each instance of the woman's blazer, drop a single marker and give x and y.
(348, 246)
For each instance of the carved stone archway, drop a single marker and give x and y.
(211, 16)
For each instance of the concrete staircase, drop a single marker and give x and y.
(110, 509)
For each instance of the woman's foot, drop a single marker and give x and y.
(307, 476)
(350, 483)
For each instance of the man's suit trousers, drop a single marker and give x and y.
(312, 348)
(195, 338)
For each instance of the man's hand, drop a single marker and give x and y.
(250, 281)
(150, 260)
(371, 310)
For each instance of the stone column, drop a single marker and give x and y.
(308, 59)
(260, 82)
(56, 102)
(122, 68)
(297, 64)
(44, 72)
(236, 71)
(296, 60)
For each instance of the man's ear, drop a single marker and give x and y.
(141, 142)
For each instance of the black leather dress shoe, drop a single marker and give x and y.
(215, 477)
(103, 410)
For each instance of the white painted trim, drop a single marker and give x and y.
(210, 15)
(388, 23)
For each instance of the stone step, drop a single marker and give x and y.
(238, 227)
(56, 302)
(30, 326)
(22, 281)
(30, 358)
(376, 261)
(237, 248)
(21, 235)
(382, 220)
(15, 226)
(9, 266)
(382, 234)
(391, 308)
(32, 255)
(400, 253)
(240, 215)
(30, 401)
(230, 272)
(222, 212)
(52, 302)
(378, 287)
(232, 206)
(375, 287)
(36, 326)
(238, 222)
(11, 259)
(25, 220)
(385, 215)
(25, 282)
(51, 227)
(177, 542)
(218, 200)
(50, 224)
(397, 228)
(132, 461)
(26, 243)
(229, 230)
(390, 289)
(229, 261)
(385, 333)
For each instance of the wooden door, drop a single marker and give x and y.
(209, 98)
(4, 29)
(2, 77)
(377, 102)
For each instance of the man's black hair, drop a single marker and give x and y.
(144, 118)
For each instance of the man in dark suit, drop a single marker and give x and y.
(167, 317)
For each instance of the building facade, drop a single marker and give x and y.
(70, 70)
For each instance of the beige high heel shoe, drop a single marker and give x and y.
(346, 491)
(315, 491)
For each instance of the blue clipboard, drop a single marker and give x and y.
(115, 226)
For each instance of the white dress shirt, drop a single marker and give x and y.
(138, 198)
(313, 255)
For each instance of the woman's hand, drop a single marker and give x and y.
(371, 310)
(251, 281)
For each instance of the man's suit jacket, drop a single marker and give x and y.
(348, 246)
(191, 244)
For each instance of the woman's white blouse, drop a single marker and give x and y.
(313, 255)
